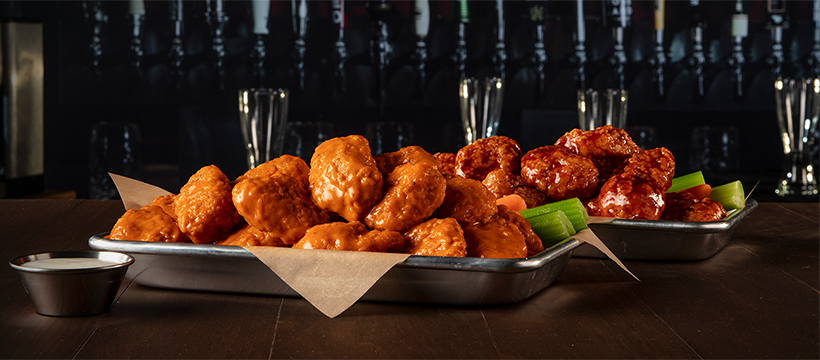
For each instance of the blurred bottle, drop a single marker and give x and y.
(114, 147)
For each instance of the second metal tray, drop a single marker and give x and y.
(663, 240)
(419, 279)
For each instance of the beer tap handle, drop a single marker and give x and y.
(95, 18)
(538, 15)
(422, 27)
(500, 55)
(619, 12)
(136, 14)
(380, 49)
(580, 57)
(177, 52)
(460, 55)
(300, 19)
(658, 59)
(340, 52)
(740, 29)
(260, 10)
(777, 22)
(216, 19)
(697, 60)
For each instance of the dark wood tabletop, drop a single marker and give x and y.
(756, 298)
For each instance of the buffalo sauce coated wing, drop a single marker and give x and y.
(251, 236)
(344, 178)
(558, 173)
(448, 162)
(277, 204)
(204, 208)
(352, 236)
(413, 192)
(627, 197)
(496, 238)
(149, 223)
(608, 147)
(407, 155)
(166, 202)
(467, 201)
(656, 166)
(478, 159)
(286, 164)
(436, 237)
(502, 183)
(534, 244)
(684, 206)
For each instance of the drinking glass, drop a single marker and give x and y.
(798, 107)
(263, 113)
(602, 107)
(302, 138)
(388, 136)
(480, 101)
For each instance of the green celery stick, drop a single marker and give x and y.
(551, 227)
(684, 182)
(573, 209)
(730, 195)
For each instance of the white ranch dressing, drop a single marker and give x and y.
(69, 263)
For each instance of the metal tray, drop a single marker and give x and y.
(663, 240)
(419, 279)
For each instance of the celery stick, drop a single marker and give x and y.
(730, 195)
(684, 182)
(551, 227)
(573, 208)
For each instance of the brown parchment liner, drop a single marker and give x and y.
(331, 281)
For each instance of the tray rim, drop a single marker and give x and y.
(223, 252)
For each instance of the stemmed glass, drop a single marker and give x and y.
(480, 102)
(798, 107)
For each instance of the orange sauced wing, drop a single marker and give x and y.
(149, 223)
(203, 206)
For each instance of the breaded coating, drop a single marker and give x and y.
(436, 237)
(502, 183)
(407, 155)
(534, 244)
(344, 178)
(285, 164)
(607, 146)
(204, 208)
(166, 202)
(626, 197)
(413, 192)
(654, 165)
(279, 205)
(467, 201)
(149, 223)
(251, 236)
(496, 238)
(558, 173)
(684, 206)
(476, 160)
(448, 162)
(352, 236)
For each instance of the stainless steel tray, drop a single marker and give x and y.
(662, 240)
(419, 279)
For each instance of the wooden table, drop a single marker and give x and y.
(757, 298)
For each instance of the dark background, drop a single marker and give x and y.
(194, 123)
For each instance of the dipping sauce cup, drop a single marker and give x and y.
(72, 283)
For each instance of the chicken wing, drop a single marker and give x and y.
(655, 165)
(204, 208)
(467, 201)
(534, 244)
(626, 197)
(684, 206)
(286, 164)
(496, 238)
(448, 162)
(166, 202)
(436, 237)
(413, 192)
(251, 236)
(608, 147)
(352, 236)
(502, 183)
(149, 223)
(476, 160)
(344, 178)
(387, 162)
(558, 173)
(277, 204)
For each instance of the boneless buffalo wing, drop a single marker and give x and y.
(415, 202)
